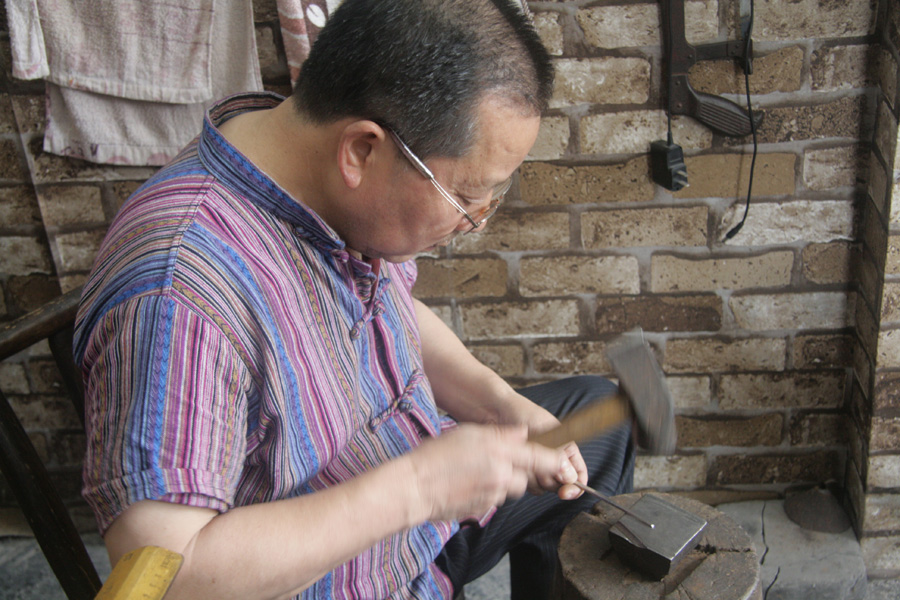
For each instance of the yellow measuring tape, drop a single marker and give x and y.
(142, 574)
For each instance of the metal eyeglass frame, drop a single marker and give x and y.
(483, 215)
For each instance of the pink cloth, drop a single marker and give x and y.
(301, 21)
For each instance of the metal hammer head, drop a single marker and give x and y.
(644, 382)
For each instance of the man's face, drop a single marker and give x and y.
(411, 216)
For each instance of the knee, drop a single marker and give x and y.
(589, 388)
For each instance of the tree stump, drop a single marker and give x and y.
(723, 566)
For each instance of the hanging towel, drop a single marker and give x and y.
(128, 81)
(29, 56)
(135, 49)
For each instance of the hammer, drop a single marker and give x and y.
(642, 395)
(654, 534)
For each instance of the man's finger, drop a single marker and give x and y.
(540, 461)
(569, 492)
(577, 461)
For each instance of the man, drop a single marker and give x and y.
(263, 391)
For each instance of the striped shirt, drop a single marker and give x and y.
(234, 352)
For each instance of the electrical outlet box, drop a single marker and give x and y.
(667, 165)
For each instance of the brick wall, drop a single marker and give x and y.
(875, 445)
(780, 343)
(777, 341)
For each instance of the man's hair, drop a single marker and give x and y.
(421, 67)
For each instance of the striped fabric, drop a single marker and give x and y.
(234, 352)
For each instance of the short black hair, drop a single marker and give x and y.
(421, 67)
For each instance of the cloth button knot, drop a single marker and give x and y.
(403, 403)
(341, 255)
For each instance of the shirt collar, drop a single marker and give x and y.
(234, 170)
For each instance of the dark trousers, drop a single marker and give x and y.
(529, 528)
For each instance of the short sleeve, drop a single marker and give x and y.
(165, 396)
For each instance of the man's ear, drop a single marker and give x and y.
(358, 147)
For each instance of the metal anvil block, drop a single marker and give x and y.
(654, 551)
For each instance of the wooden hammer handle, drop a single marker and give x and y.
(587, 422)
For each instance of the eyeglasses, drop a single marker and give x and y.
(476, 220)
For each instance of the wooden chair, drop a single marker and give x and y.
(40, 502)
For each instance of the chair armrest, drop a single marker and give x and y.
(38, 324)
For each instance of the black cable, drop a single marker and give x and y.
(669, 133)
(734, 230)
(670, 79)
(747, 68)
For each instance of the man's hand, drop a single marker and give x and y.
(516, 409)
(574, 470)
(467, 471)
(472, 393)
